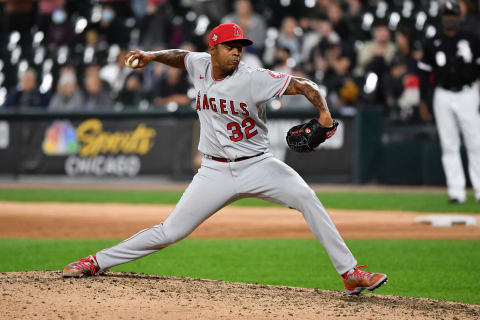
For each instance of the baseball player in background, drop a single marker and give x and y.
(231, 99)
(453, 58)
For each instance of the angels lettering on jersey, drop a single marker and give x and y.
(222, 106)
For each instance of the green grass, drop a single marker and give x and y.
(420, 202)
(445, 270)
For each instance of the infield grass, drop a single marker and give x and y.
(415, 201)
(435, 269)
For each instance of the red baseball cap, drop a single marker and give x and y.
(227, 32)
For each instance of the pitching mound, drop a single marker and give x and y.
(46, 295)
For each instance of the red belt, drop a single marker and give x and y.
(235, 160)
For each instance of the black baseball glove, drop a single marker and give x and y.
(307, 136)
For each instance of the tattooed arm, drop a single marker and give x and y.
(311, 91)
(173, 58)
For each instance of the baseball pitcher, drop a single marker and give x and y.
(231, 99)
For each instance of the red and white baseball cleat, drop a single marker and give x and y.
(83, 267)
(357, 280)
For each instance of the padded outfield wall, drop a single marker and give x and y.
(133, 143)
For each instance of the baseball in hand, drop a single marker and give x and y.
(133, 63)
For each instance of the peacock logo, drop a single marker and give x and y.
(60, 139)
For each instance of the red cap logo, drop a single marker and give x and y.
(227, 32)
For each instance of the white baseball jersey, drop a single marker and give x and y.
(232, 110)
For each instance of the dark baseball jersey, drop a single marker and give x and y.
(454, 61)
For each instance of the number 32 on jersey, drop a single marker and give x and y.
(245, 129)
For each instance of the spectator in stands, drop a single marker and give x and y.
(252, 24)
(68, 96)
(116, 73)
(94, 48)
(28, 95)
(405, 49)
(321, 7)
(322, 32)
(139, 8)
(45, 10)
(111, 29)
(96, 96)
(156, 25)
(132, 93)
(172, 88)
(342, 90)
(289, 38)
(152, 74)
(376, 55)
(340, 25)
(60, 30)
(469, 16)
(354, 18)
(283, 61)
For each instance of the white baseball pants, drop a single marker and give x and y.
(216, 185)
(457, 112)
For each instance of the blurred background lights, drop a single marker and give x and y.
(382, 8)
(80, 25)
(47, 65)
(96, 14)
(191, 16)
(62, 55)
(310, 3)
(38, 38)
(22, 66)
(367, 21)
(420, 20)
(202, 25)
(39, 55)
(276, 104)
(88, 55)
(13, 40)
(15, 57)
(46, 83)
(407, 9)
(172, 106)
(370, 83)
(433, 10)
(394, 20)
(431, 31)
(191, 93)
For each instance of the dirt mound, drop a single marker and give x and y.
(46, 295)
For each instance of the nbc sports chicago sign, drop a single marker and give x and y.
(92, 150)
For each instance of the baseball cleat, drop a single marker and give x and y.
(357, 280)
(83, 267)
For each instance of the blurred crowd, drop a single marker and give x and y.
(66, 55)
